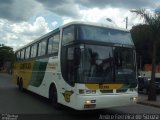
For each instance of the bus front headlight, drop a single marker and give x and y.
(134, 99)
(90, 101)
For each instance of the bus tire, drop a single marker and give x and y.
(20, 85)
(53, 97)
(18, 81)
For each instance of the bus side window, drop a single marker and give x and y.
(27, 53)
(34, 51)
(18, 55)
(73, 64)
(68, 34)
(42, 48)
(22, 54)
(70, 65)
(53, 44)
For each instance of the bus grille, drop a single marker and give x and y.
(106, 91)
(121, 90)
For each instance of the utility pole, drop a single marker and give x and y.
(126, 22)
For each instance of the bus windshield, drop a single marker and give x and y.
(104, 35)
(92, 62)
(103, 64)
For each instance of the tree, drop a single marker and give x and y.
(6, 55)
(142, 40)
(153, 21)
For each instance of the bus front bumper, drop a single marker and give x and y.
(86, 102)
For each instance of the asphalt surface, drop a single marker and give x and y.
(31, 106)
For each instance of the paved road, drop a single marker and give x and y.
(29, 105)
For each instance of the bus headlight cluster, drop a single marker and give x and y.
(134, 99)
(90, 101)
(83, 91)
(90, 104)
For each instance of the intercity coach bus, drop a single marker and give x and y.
(80, 65)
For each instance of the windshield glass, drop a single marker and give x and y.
(103, 64)
(104, 35)
(98, 64)
(124, 64)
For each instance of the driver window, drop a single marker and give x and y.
(73, 64)
(70, 65)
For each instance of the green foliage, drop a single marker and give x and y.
(6, 54)
(142, 39)
(147, 36)
(151, 19)
(153, 22)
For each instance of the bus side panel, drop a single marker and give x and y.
(23, 71)
(43, 76)
(15, 72)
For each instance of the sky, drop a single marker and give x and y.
(22, 21)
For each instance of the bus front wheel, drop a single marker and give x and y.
(54, 99)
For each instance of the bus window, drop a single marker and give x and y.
(42, 48)
(98, 64)
(68, 35)
(104, 35)
(18, 55)
(34, 50)
(53, 44)
(27, 54)
(124, 67)
(71, 64)
(22, 54)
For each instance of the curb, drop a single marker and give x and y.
(149, 104)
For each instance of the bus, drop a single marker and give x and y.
(81, 65)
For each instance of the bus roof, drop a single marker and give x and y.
(38, 39)
(105, 25)
(73, 23)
